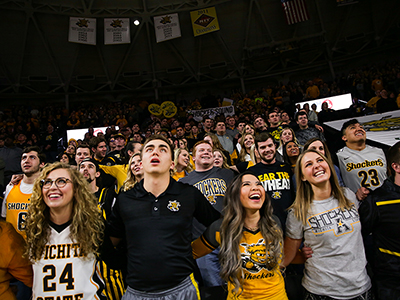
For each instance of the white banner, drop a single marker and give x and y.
(382, 128)
(212, 112)
(334, 102)
(117, 31)
(167, 27)
(82, 30)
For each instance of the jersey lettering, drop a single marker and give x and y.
(66, 277)
(371, 176)
(365, 164)
(21, 220)
(65, 297)
(62, 251)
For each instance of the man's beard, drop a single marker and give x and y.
(89, 180)
(268, 161)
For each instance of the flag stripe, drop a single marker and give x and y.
(295, 11)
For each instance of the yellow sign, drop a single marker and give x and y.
(204, 21)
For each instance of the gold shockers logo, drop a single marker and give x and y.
(82, 23)
(384, 124)
(173, 205)
(366, 164)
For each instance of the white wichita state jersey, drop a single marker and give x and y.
(63, 274)
(365, 168)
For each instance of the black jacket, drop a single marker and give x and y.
(380, 215)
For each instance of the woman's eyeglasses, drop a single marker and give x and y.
(60, 182)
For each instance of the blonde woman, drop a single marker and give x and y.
(64, 231)
(250, 240)
(215, 143)
(135, 172)
(325, 217)
(220, 159)
(246, 141)
(182, 165)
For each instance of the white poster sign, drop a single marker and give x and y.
(334, 102)
(80, 133)
(82, 30)
(116, 31)
(212, 112)
(167, 27)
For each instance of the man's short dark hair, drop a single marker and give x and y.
(301, 113)
(206, 118)
(84, 145)
(40, 154)
(347, 124)
(393, 156)
(158, 137)
(93, 161)
(262, 137)
(95, 141)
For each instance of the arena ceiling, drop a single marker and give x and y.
(254, 42)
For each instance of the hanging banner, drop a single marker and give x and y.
(116, 31)
(204, 21)
(212, 112)
(82, 30)
(167, 27)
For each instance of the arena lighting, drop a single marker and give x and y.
(136, 22)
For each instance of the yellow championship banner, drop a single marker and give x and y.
(204, 21)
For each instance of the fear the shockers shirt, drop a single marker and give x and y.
(276, 180)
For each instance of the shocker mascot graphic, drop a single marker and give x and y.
(254, 257)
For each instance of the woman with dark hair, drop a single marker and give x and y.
(66, 158)
(250, 240)
(321, 146)
(291, 152)
(64, 232)
(324, 216)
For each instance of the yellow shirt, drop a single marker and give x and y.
(120, 172)
(17, 208)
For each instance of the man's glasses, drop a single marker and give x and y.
(60, 182)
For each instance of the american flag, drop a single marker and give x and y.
(295, 11)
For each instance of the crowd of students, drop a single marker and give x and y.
(236, 207)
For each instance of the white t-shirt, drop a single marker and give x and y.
(337, 266)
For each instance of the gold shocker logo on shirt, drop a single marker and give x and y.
(173, 205)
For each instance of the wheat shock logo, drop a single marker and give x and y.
(212, 188)
(365, 164)
(384, 124)
(338, 221)
(254, 256)
(173, 205)
(165, 20)
(275, 182)
(83, 23)
(116, 23)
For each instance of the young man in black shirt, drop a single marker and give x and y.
(275, 176)
(156, 218)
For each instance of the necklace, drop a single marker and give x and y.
(251, 228)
